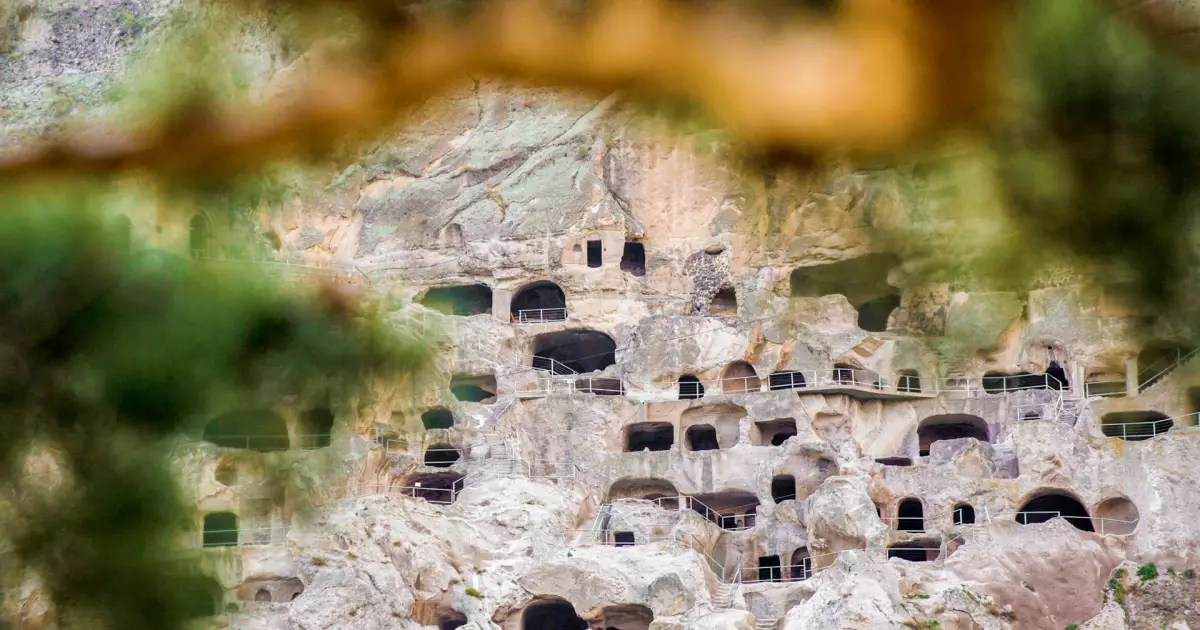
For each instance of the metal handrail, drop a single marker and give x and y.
(1105, 523)
(235, 537)
(1118, 389)
(1155, 427)
(685, 502)
(1180, 359)
(540, 315)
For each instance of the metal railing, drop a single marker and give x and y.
(1104, 389)
(1159, 369)
(305, 442)
(1102, 526)
(540, 315)
(547, 364)
(1137, 431)
(437, 496)
(727, 522)
(256, 536)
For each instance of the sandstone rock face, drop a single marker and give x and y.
(638, 417)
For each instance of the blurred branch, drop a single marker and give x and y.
(871, 77)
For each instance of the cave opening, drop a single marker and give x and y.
(769, 569)
(1055, 505)
(647, 488)
(783, 488)
(949, 427)
(539, 302)
(654, 436)
(595, 254)
(964, 514)
(464, 300)
(690, 388)
(437, 418)
(450, 620)
(253, 429)
(625, 617)
(1135, 426)
(480, 389)
(633, 258)
(917, 551)
(220, 529)
(724, 302)
(801, 567)
(729, 509)
(551, 614)
(441, 455)
(316, 428)
(1056, 376)
(910, 516)
(263, 595)
(894, 461)
(909, 382)
(775, 432)
(573, 351)
(785, 380)
(624, 539)
(740, 377)
(843, 373)
(874, 313)
(438, 488)
(702, 437)
(1117, 515)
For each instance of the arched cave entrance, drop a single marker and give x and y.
(964, 514)
(774, 432)
(437, 418)
(480, 389)
(1056, 376)
(1117, 516)
(624, 539)
(910, 516)
(539, 302)
(263, 595)
(441, 455)
(316, 428)
(724, 302)
(873, 314)
(654, 436)
(464, 300)
(551, 614)
(254, 429)
(220, 529)
(783, 488)
(909, 382)
(647, 488)
(441, 488)
(449, 619)
(690, 388)
(1053, 505)
(633, 258)
(739, 377)
(1135, 426)
(785, 380)
(720, 425)
(801, 566)
(573, 351)
(199, 238)
(950, 427)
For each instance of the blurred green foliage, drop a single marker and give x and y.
(107, 358)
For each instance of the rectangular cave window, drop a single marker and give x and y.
(594, 254)
(623, 539)
(633, 259)
(769, 569)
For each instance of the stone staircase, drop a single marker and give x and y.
(723, 599)
(1159, 376)
(766, 624)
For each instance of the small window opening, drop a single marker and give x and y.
(920, 551)
(910, 516)
(724, 302)
(451, 620)
(964, 515)
(263, 595)
(769, 569)
(226, 473)
(702, 437)
(633, 259)
(595, 257)
(690, 388)
(623, 539)
(910, 382)
(783, 488)
(873, 314)
(776, 432)
(894, 461)
(438, 418)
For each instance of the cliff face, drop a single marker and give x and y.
(661, 403)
